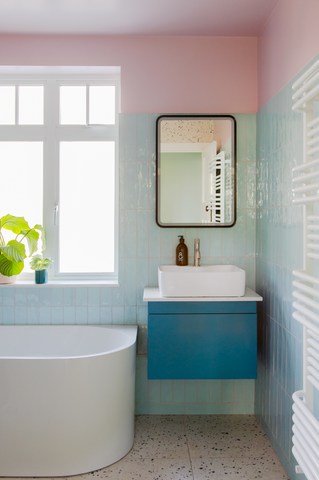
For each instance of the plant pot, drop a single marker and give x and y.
(41, 276)
(4, 279)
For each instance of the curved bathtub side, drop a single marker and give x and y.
(66, 416)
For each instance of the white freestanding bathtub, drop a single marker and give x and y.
(66, 398)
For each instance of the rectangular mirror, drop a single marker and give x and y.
(196, 171)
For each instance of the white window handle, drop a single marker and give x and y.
(56, 209)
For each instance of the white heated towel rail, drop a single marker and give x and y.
(305, 189)
(217, 201)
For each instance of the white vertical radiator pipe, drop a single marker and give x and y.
(306, 192)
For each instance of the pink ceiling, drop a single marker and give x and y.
(136, 17)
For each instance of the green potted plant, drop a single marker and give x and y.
(40, 264)
(13, 253)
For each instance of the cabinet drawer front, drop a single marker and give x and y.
(201, 307)
(219, 346)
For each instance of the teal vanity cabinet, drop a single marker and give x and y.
(202, 339)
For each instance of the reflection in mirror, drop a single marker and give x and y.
(196, 160)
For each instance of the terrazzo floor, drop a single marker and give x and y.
(196, 447)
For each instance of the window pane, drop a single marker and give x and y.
(21, 193)
(73, 105)
(87, 207)
(102, 105)
(31, 105)
(7, 105)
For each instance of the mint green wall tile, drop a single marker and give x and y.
(251, 136)
(45, 315)
(159, 409)
(142, 137)
(228, 242)
(142, 315)
(57, 296)
(215, 246)
(166, 242)
(208, 408)
(154, 236)
(20, 296)
(227, 390)
(153, 263)
(20, 316)
(57, 315)
(251, 272)
(243, 409)
(250, 232)
(130, 315)
(154, 391)
(241, 184)
(204, 236)
(118, 292)
(118, 315)
(152, 186)
(68, 315)
(190, 391)
(142, 233)
(142, 185)
(203, 390)
(93, 315)
(81, 296)
(81, 315)
(141, 279)
(166, 391)
(215, 391)
(130, 281)
(239, 391)
(93, 296)
(1, 289)
(130, 233)
(250, 391)
(33, 315)
(130, 179)
(32, 297)
(251, 184)
(122, 185)
(240, 234)
(8, 315)
(106, 315)
(69, 297)
(178, 391)
(130, 137)
(141, 386)
(8, 295)
(106, 296)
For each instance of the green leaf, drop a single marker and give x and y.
(9, 268)
(14, 251)
(41, 229)
(32, 238)
(15, 224)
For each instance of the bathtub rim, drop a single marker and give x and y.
(131, 330)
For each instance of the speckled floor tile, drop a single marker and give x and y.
(172, 469)
(160, 437)
(125, 469)
(226, 436)
(238, 469)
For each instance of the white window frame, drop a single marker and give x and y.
(51, 134)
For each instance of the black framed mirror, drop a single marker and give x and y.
(196, 171)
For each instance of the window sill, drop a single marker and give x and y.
(61, 283)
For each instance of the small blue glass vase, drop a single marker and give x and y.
(41, 276)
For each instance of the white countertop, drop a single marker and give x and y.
(152, 294)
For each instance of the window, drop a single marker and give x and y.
(59, 164)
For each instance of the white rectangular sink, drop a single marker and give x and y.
(206, 281)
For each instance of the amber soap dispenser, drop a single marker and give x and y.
(181, 252)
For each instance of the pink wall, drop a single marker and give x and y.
(287, 42)
(159, 74)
